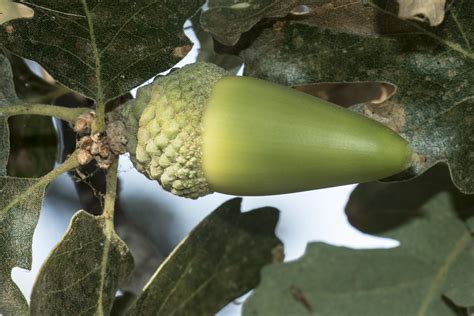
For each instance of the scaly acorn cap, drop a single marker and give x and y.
(200, 130)
(164, 128)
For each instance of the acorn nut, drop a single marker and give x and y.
(200, 130)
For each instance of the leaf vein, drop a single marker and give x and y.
(52, 10)
(121, 71)
(441, 275)
(130, 19)
(64, 289)
(454, 46)
(461, 30)
(60, 254)
(70, 53)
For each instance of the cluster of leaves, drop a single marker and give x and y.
(102, 49)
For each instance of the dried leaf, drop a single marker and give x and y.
(431, 10)
(348, 94)
(10, 10)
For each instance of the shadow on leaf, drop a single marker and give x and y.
(377, 207)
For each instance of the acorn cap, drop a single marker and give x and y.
(164, 128)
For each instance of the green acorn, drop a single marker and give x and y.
(200, 130)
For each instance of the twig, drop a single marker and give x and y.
(63, 113)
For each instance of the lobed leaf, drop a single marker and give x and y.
(83, 273)
(425, 275)
(102, 49)
(433, 69)
(218, 262)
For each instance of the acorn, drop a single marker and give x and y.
(201, 130)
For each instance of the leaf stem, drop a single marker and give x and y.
(66, 114)
(111, 191)
(98, 125)
(69, 164)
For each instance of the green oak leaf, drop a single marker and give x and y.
(218, 262)
(18, 219)
(102, 49)
(433, 69)
(425, 276)
(20, 205)
(226, 20)
(83, 273)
